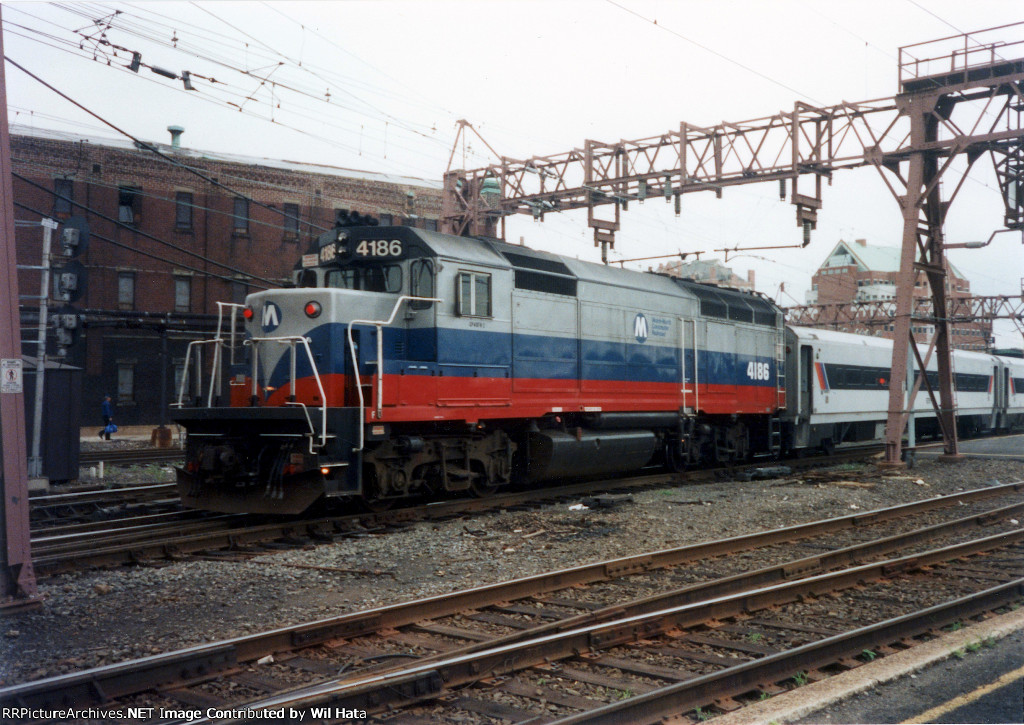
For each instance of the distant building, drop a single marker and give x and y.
(710, 271)
(856, 272)
(156, 279)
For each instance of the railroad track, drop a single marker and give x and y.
(130, 456)
(132, 540)
(94, 504)
(699, 629)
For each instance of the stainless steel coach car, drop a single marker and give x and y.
(406, 361)
(840, 390)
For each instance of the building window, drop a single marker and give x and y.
(63, 194)
(474, 294)
(125, 382)
(241, 215)
(129, 204)
(291, 222)
(183, 210)
(126, 290)
(182, 294)
(238, 292)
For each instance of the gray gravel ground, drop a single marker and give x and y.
(97, 618)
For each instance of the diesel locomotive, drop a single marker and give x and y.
(406, 362)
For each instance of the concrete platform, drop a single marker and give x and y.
(889, 690)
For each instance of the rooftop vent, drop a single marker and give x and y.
(176, 132)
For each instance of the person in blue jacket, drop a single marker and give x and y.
(108, 417)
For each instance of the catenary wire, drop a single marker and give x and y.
(142, 233)
(157, 257)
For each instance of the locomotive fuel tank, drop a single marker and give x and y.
(560, 454)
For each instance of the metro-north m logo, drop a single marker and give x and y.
(640, 327)
(271, 317)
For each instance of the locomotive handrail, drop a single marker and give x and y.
(379, 324)
(185, 368)
(216, 374)
(216, 378)
(291, 340)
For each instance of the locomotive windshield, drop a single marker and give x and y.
(368, 278)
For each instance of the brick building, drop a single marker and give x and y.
(857, 272)
(166, 244)
(710, 271)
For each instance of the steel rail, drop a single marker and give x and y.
(854, 555)
(435, 679)
(119, 495)
(117, 680)
(133, 550)
(654, 706)
(130, 456)
(56, 528)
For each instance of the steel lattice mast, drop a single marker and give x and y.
(960, 98)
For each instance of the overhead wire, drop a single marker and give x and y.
(150, 255)
(242, 97)
(142, 233)
(351, 203)
(712, 51)
(150, 147)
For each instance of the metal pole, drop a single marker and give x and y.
(17, 578)
(35, 461)
(163, 377)
(911, 423)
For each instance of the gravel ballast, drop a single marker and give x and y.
(96, 618)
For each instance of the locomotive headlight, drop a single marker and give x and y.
(247, 313)
(312, 309)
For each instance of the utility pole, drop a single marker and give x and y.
(17, 578)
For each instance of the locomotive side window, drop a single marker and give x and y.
(421, 272)
(474, 294)
(375, 278)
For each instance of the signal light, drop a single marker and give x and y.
(325, 471)
(312, 309)
(247, 313)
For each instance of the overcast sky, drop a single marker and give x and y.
(379, 85)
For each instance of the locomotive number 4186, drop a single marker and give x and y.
(379, 248)
(758, 371)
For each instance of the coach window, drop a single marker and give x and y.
(474, 294)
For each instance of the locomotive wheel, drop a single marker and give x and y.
(371, 500)
(676, 459)
(481, 486)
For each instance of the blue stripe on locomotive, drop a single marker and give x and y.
(469, 352)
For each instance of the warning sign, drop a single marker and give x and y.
(10, 375)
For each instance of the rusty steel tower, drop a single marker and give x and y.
(960, 99)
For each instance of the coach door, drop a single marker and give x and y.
(806, 381)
